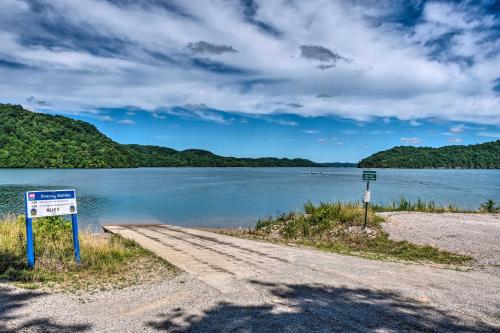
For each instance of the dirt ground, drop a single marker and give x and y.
(476, 235)
(238, 285)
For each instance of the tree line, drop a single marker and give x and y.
(478, 156)
(37, 140)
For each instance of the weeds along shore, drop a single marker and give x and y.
(406, 205)
(110, 261)
(339, 227)
(107, 261)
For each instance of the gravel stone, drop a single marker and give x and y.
(239, 285)
(476, 235)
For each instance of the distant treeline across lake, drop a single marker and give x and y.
(236, 196)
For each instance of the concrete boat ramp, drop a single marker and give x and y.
(240, 266)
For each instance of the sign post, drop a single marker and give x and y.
(368, 175)
(50, 203)
(76, 243)
(30, 251)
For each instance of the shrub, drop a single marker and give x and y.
(337, 227)
(489, 206)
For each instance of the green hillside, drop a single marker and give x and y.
(37, 140)
(154, 156)
(479, 156)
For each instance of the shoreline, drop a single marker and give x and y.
(244, 167)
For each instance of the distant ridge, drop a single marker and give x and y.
(478, 156)
(37, 140)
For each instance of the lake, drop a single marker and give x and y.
(235, 196)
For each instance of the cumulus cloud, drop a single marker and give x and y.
(412, 60)
(311, 131)
(411, 141)
(126, 122)
(454, 140)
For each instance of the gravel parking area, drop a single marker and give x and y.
(239, 285)
(476, 235)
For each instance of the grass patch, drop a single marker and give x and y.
(338, 227)
(406, 205)
(106, 261)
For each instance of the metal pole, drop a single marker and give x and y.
(30, 249)
(366, 204)
(76, 243)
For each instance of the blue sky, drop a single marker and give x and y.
(323, 138)
(325, 80)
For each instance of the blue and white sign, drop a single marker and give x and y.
(50, 203)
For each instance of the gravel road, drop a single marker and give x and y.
(476, 235)
(239, 285)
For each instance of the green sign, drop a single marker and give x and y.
(370, 175)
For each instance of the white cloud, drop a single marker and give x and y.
(454, 140)
(210, 116)
(285, 122)
(379, 132)
(495, 135)
(249, 70)
(126, 122)
(411, 141)
(158, 115)
(457, 129)
(105, 118)
(311, 131)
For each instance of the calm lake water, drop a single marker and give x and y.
(236, 196)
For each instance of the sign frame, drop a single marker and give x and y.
(61, 199)
(51, 203)
(369, 175)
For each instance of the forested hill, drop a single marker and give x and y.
(154, 156)
(37, 140)
(480, 156)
